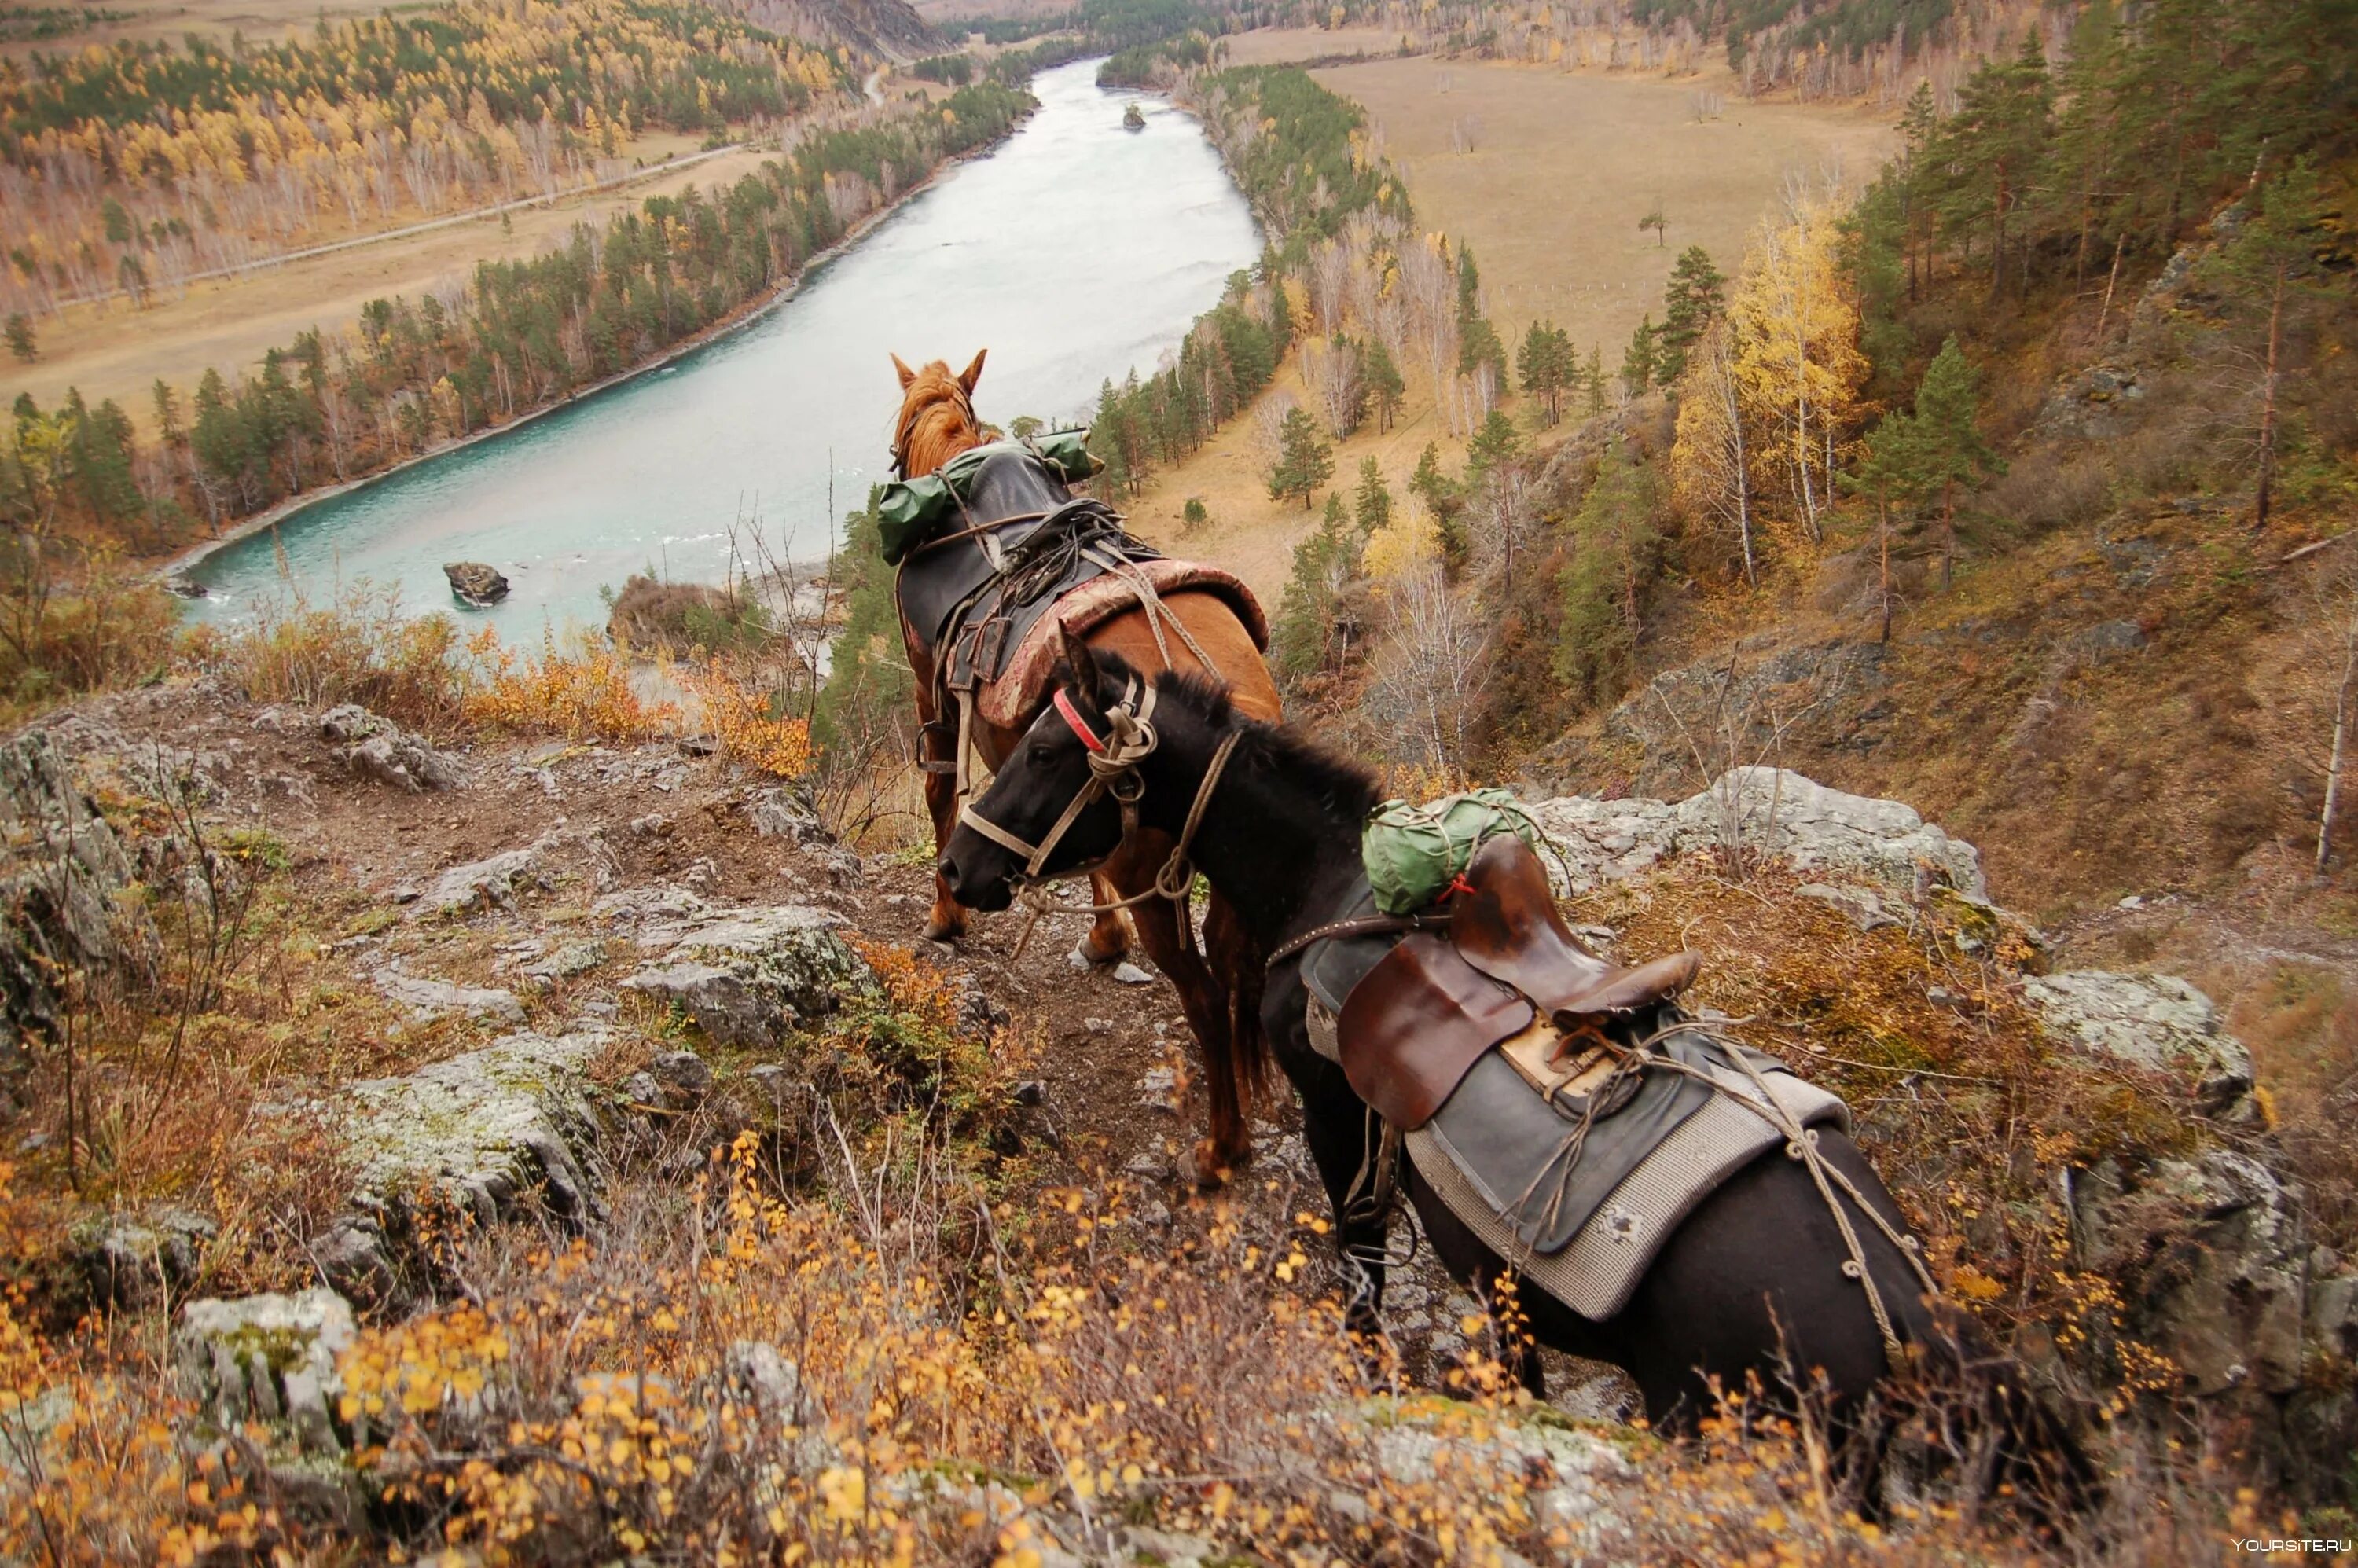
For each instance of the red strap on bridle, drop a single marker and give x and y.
(1079, 725)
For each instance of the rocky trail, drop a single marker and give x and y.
(560, 968)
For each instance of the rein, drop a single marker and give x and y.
(1114, 757)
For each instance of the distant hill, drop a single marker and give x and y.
(888, 28)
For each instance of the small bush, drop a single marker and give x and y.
(356, 648)
(2045, 490)
(682, 618)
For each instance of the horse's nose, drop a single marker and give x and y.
(946, 869)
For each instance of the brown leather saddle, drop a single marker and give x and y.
(1419, 1019)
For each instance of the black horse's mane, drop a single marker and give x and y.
(1349, 785)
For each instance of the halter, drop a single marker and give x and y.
(1129, 739)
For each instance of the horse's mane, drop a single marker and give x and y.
(1282, 749)
(936, 421)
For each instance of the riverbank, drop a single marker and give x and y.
(743, 317)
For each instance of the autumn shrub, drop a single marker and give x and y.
(356, 647)
(685, 618)
(579, 685)
(106, 627)
(2047, 489)
(747, 724)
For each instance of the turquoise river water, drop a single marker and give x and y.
(1074, 252)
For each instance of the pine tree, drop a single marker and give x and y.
(1593, 377)
(1372, 502)
(1305, 461)
(1445, 498)
(1312, 632)
(1495, 445)
(20, 337)
(1638, 359)
(2274, 252)
(1691, 302)
(1615, 551)
(1548, 366)
(1382, 378)
(1913, 457)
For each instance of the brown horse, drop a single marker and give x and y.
(1221, 987)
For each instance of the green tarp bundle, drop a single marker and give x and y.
(908, 511)
(1413, 853)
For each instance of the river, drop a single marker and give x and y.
(1074, 252)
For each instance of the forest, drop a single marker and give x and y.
(136, 167)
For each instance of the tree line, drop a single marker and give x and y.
(335, 405)
(137, 165)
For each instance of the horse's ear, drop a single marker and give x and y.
(1083, 663)
(906, 374)
(973, 373)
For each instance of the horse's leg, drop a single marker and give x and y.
(1342, 1135)
(1108, 938)
(1206, 1003)
(947, 920)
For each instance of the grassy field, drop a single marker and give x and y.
(262, 21)
(1563, 166)
(116, 350)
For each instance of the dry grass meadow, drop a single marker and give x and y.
(262, 21)
(1563, 166)
(117, 351)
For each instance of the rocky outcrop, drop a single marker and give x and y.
(485, 1129)
(377, 748)
(140, 1258)
(267, 1365)
(61, 871)
(427, 997)
(2158, 1023)
(493, 883)
(1759, 813)
(474, 584)
(750, 977)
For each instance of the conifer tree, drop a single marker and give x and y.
(1638, 359)
(1305, 461)
(1311, 635)
(1386, 389)
(1496, 444)
(20, 337)
(1372, 502)
(1548, 367)
(1691, 302)
(1593, 377)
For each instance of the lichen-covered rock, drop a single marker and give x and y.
(495, 881)
(2213, 1255)
(271, 1358)
(426, 996)
(133, 1260)
(1759, 813)
(779, 813)
(61, 872)
(485, 1128)
(1573, 1473)
(750, 977)
(2155, 1022)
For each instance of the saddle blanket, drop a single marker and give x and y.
(1022, 683)
(1586, 1233)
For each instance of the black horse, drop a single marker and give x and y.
(1748, 1291)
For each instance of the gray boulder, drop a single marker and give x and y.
(474, 584)
(778, 812)
(485, 1128)
(427, 997)
(134, 1259)
(494, 882)
(2211, 1254)
(1759, 813)
(270, 1358)
(750, 977)
(2156, 1021)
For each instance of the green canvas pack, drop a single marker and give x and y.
(908, 511)
(1413, 853)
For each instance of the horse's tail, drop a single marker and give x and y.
(1242, 1059)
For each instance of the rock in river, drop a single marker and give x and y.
(475, 583)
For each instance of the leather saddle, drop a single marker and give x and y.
(1416, 1024)
(1014, 550)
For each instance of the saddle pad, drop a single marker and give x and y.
(1513, 1146)
(1597, 1272)
(1330, 968)
(1022, 683)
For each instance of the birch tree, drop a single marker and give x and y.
(1798, 363)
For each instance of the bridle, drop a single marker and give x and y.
(1114, 757)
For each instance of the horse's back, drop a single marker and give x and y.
(1236, 659)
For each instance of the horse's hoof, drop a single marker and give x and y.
(1207, 1168)
(939, 928)
(1084, 958)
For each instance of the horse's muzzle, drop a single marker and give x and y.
(984, 893)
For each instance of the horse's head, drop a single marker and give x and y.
(936, 421)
